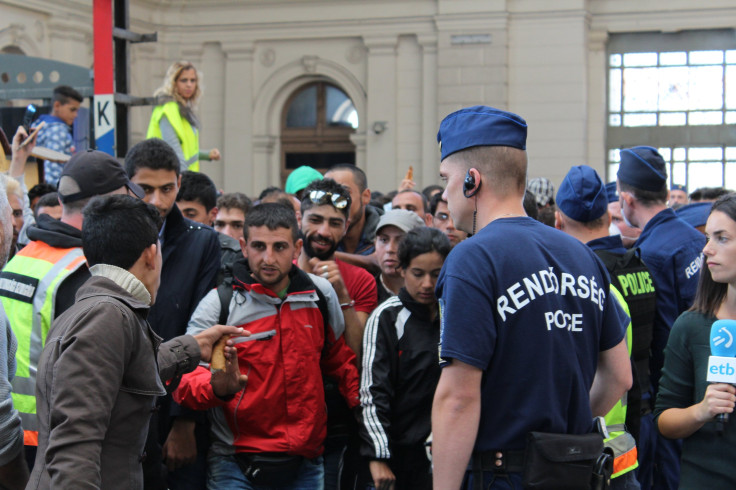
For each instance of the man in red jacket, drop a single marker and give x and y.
(272, 432)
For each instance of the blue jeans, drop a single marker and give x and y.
(225, 474)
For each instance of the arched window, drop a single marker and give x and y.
(316, 125)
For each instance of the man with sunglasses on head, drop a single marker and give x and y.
(325, 219)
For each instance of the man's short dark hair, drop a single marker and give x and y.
(197, 187)
(154, 154)
(434, 202)
(39, 190)
(50, 200)
(272, 215)
(330, 186)
(425, 201)
(530, 205)
(235, 200)
(361, 181)
(117, 228)
(63, 93)
(431, 190)
(269, 191)
(708, 193)
(646, 198)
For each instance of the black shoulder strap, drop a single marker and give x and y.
(325, 312)
(225, 293)
(614, 261)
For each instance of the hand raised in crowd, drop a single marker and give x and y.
(329, 270)
(230, 380)
(21, 154)
(719, 398)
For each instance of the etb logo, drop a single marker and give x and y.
(722, 362)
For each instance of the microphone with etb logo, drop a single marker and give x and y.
(722, 361)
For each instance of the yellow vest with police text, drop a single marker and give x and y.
(621, 442)
(28, 287)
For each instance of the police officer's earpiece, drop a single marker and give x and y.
(469, 188)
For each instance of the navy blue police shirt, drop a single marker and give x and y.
(529, 306)
(671, 249)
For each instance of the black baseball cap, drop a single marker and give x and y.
(93, 173)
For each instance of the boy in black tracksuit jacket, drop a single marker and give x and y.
(400, 373)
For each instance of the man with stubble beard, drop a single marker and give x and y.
(325, 220)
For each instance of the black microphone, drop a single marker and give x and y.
(721, 363)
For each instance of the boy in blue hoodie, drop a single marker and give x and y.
(57, 135)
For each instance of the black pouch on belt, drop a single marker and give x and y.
(562, 461)
(269, 469)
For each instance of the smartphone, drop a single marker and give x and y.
(28, 117)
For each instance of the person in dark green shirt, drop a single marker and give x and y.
(686, 403)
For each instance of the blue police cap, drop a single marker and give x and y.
(582, 195)
(695, 214)
(480, 126)
(640, 168)
(678, 187)
(612, 192)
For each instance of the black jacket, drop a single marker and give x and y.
(400, 374)
(191, 261)
(191, 254)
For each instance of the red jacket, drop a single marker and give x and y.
(282, 408)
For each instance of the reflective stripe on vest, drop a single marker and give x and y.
(188, 137)
(621, 442)
(28, 287)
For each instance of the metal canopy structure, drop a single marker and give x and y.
(26, 77)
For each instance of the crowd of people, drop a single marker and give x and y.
(407, 339)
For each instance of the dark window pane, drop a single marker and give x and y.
(318, 160)
(340, 109)
(303, 109)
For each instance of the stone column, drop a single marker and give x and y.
(241, 170)
(381, 108)
(212, 109)
(430, 155)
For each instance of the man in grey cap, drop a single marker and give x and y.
(391, 229)
(40, 282)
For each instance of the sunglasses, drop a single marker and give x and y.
(323, 197)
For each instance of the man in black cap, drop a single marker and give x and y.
(671, 250)
(40, 282)
(505, 325)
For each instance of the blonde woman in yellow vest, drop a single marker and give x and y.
(174, 121)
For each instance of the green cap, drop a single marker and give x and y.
(300, 178)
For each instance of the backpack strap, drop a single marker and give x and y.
(225, 293)
(325, 312)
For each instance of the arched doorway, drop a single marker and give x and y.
(316, 123)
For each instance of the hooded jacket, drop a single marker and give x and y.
(282, 408)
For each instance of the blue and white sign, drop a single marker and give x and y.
(104, 115)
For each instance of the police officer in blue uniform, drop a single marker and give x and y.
(671, 250)
(527, 318)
